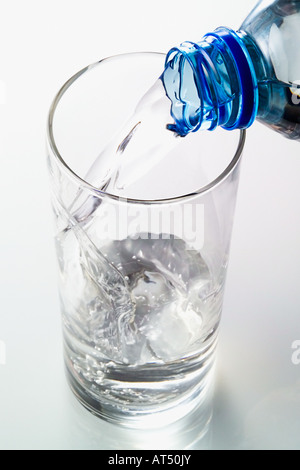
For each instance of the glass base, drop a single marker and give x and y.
(136, 414)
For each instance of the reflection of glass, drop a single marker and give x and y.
(191, 432)
(141, 281)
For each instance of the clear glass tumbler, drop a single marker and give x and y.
(141, 278)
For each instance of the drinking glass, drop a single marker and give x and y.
(141, 276)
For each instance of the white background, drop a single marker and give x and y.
(257, 401)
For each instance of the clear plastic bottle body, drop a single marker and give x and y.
(274, 29)
(229, 79)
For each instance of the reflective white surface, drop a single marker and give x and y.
(257, 396)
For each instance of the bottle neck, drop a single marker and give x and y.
(212, 83)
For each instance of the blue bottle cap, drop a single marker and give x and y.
(246, 75)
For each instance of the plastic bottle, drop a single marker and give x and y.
(230, 78)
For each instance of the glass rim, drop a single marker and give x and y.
(100, 193)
